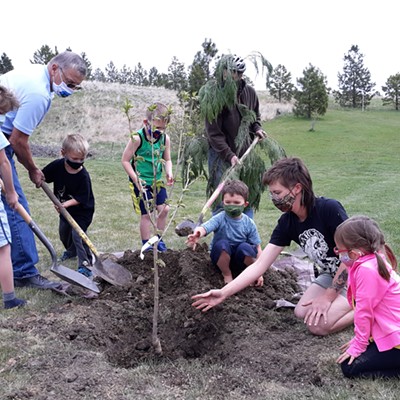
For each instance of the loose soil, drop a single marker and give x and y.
(90, 344)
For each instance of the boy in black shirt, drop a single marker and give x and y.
(73, 187)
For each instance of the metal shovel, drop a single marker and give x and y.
(186, 227)
(108, 270)
(64, 273)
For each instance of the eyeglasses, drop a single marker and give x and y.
(72, 86)
(338, 251)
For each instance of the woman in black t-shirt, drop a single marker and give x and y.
(311, 222)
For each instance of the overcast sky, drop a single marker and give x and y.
(289, 32)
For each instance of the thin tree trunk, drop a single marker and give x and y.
(155, 339)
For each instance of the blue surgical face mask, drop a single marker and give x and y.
(156, 133)
(62, 89)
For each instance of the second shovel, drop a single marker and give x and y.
(108, 270)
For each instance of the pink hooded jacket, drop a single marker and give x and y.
(377, 305)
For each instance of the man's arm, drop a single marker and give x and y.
(20, 143)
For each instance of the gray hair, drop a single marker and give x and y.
(68, 59)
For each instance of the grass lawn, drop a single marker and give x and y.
(352, 156)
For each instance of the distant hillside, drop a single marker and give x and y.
(97, 112)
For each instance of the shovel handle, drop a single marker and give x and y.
(19, 208)
(227, 174)
(69, 218)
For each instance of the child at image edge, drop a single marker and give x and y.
(236, 242)
(7, 103)
(73, 187)
(374, 292)
(145, 152)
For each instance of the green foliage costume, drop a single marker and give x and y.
(232, 118)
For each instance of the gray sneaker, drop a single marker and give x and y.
(37, 281)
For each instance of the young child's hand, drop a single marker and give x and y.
(193, 238)
(170, 180)
(12, 199)
(259, 281)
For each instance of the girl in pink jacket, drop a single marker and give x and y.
(374, 293)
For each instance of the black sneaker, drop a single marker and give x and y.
(66, 256)
(37, 281)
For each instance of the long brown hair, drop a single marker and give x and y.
(361, 232)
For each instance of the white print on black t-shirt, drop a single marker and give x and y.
(314, 245)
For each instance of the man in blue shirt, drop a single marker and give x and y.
(34, 87)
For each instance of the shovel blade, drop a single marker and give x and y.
(185, 228)
(74, 277)
(112, 272)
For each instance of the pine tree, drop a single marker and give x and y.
(43, 55)
(98, 75)
(312, 95)
(355, 86)
(112, 74)
(280, 85)
(125, 75)
(5, 64)
(88, 66)
(153, 77)
(177, 78)
(392, 91)
(199, 71)
(140, 76)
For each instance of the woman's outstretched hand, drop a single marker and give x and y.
(205, 301)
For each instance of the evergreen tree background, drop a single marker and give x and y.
(177, 78)
(44, 55)
(312, 95)
(5, 64)
(355, 86)
(280, 84)
(392, 91)
(199, 71)
(89, 73)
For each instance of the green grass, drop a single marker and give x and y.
(353, 156)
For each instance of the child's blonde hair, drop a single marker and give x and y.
(158, 111)
(361, 232)
(8, 101)
(77, 143)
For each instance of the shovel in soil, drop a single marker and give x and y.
(108, 270)
(187, 226)
(64, 273)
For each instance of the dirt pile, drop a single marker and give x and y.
(246, 332)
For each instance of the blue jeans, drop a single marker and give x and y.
(73, 242)
(216, 168)
(24, 254)
(236, 253)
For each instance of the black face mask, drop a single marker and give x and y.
(73, 164)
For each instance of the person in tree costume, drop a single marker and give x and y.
(230, 108)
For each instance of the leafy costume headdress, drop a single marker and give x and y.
(223, 92)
